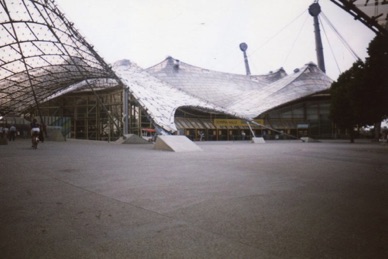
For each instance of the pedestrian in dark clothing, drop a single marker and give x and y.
(12, 133)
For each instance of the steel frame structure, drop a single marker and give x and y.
(374, 14)
(42, 55)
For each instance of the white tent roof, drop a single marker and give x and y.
(163, 88)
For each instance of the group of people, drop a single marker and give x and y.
(9, 133)
(36, 133)
(202, 135)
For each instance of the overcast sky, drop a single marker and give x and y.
(207, 33)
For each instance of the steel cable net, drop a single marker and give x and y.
(42, 55)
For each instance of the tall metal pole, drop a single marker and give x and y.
(243, 48)
(314, 11)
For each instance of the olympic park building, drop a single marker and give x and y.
(50, 72)
(173, 97)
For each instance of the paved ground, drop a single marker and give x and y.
(282, 199)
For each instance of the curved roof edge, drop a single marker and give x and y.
(171, 84)
(305, 82)
(158, 99)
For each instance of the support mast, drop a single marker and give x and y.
(314, 11)
(243, 48)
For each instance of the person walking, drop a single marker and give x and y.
(12, 133)
(243, 135)
(35, 129)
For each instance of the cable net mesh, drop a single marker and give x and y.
(41, 54)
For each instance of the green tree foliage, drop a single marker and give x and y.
(345, 109)
(376, 71)
(360, 95)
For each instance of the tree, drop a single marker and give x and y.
(376, 70)
(360, 95)
(344, 110)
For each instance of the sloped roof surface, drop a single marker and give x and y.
(215, 87)
(41, 54)
(307, 81)
(244, 96)
(159, 99)
(169, 85)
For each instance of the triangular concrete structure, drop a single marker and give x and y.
(54, 133)
(131, 139)
(176, 144)
(258, 140)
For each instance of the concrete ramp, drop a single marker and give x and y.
(258, 140)
(54, 133)
(131, 139)
(176, 144)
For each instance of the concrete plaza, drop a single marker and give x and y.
(282, 199)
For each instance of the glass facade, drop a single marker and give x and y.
(84, 115)
(308, 117)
